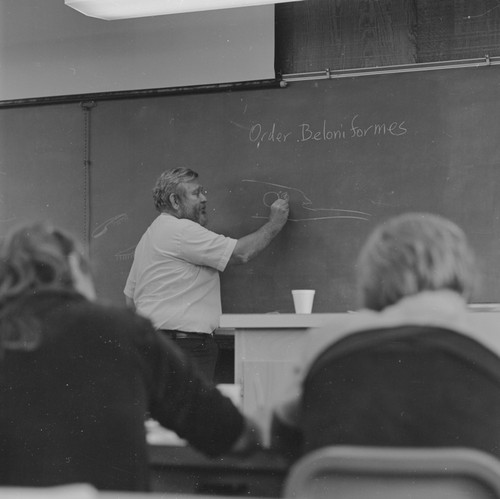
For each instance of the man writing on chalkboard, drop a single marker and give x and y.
(174, 279)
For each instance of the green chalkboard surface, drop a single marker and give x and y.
(42, 172)
(350, 153)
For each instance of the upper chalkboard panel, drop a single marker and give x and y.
(349, 152)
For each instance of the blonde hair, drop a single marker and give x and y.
(411, 253)
(33, 258)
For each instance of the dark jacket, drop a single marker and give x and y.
(408, 386)
(73, 408)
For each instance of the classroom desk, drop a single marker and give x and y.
(266, 347)
(180, 472)
(145, 495)
(181, 469)
(86, 491)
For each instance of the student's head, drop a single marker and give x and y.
(38, 257)
(412, 253)
(179, 193)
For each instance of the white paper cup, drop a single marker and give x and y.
(303, 300)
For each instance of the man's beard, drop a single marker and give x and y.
(197, 216)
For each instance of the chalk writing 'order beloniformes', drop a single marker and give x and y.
(310, 132)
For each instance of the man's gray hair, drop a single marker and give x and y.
(411, 253)
(168, 183)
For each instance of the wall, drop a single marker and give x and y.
(48, 49)
(343, 34)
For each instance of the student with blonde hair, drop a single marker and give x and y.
(407, 369)
(78, 379)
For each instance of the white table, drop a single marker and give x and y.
(266, 347)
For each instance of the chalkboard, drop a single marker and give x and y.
(349, 152)
(42, 170)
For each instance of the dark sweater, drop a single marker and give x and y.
(409, 386)
(73, 409)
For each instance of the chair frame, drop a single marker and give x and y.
(446, 463)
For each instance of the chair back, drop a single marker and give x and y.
(407, 386)
(356, 472)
